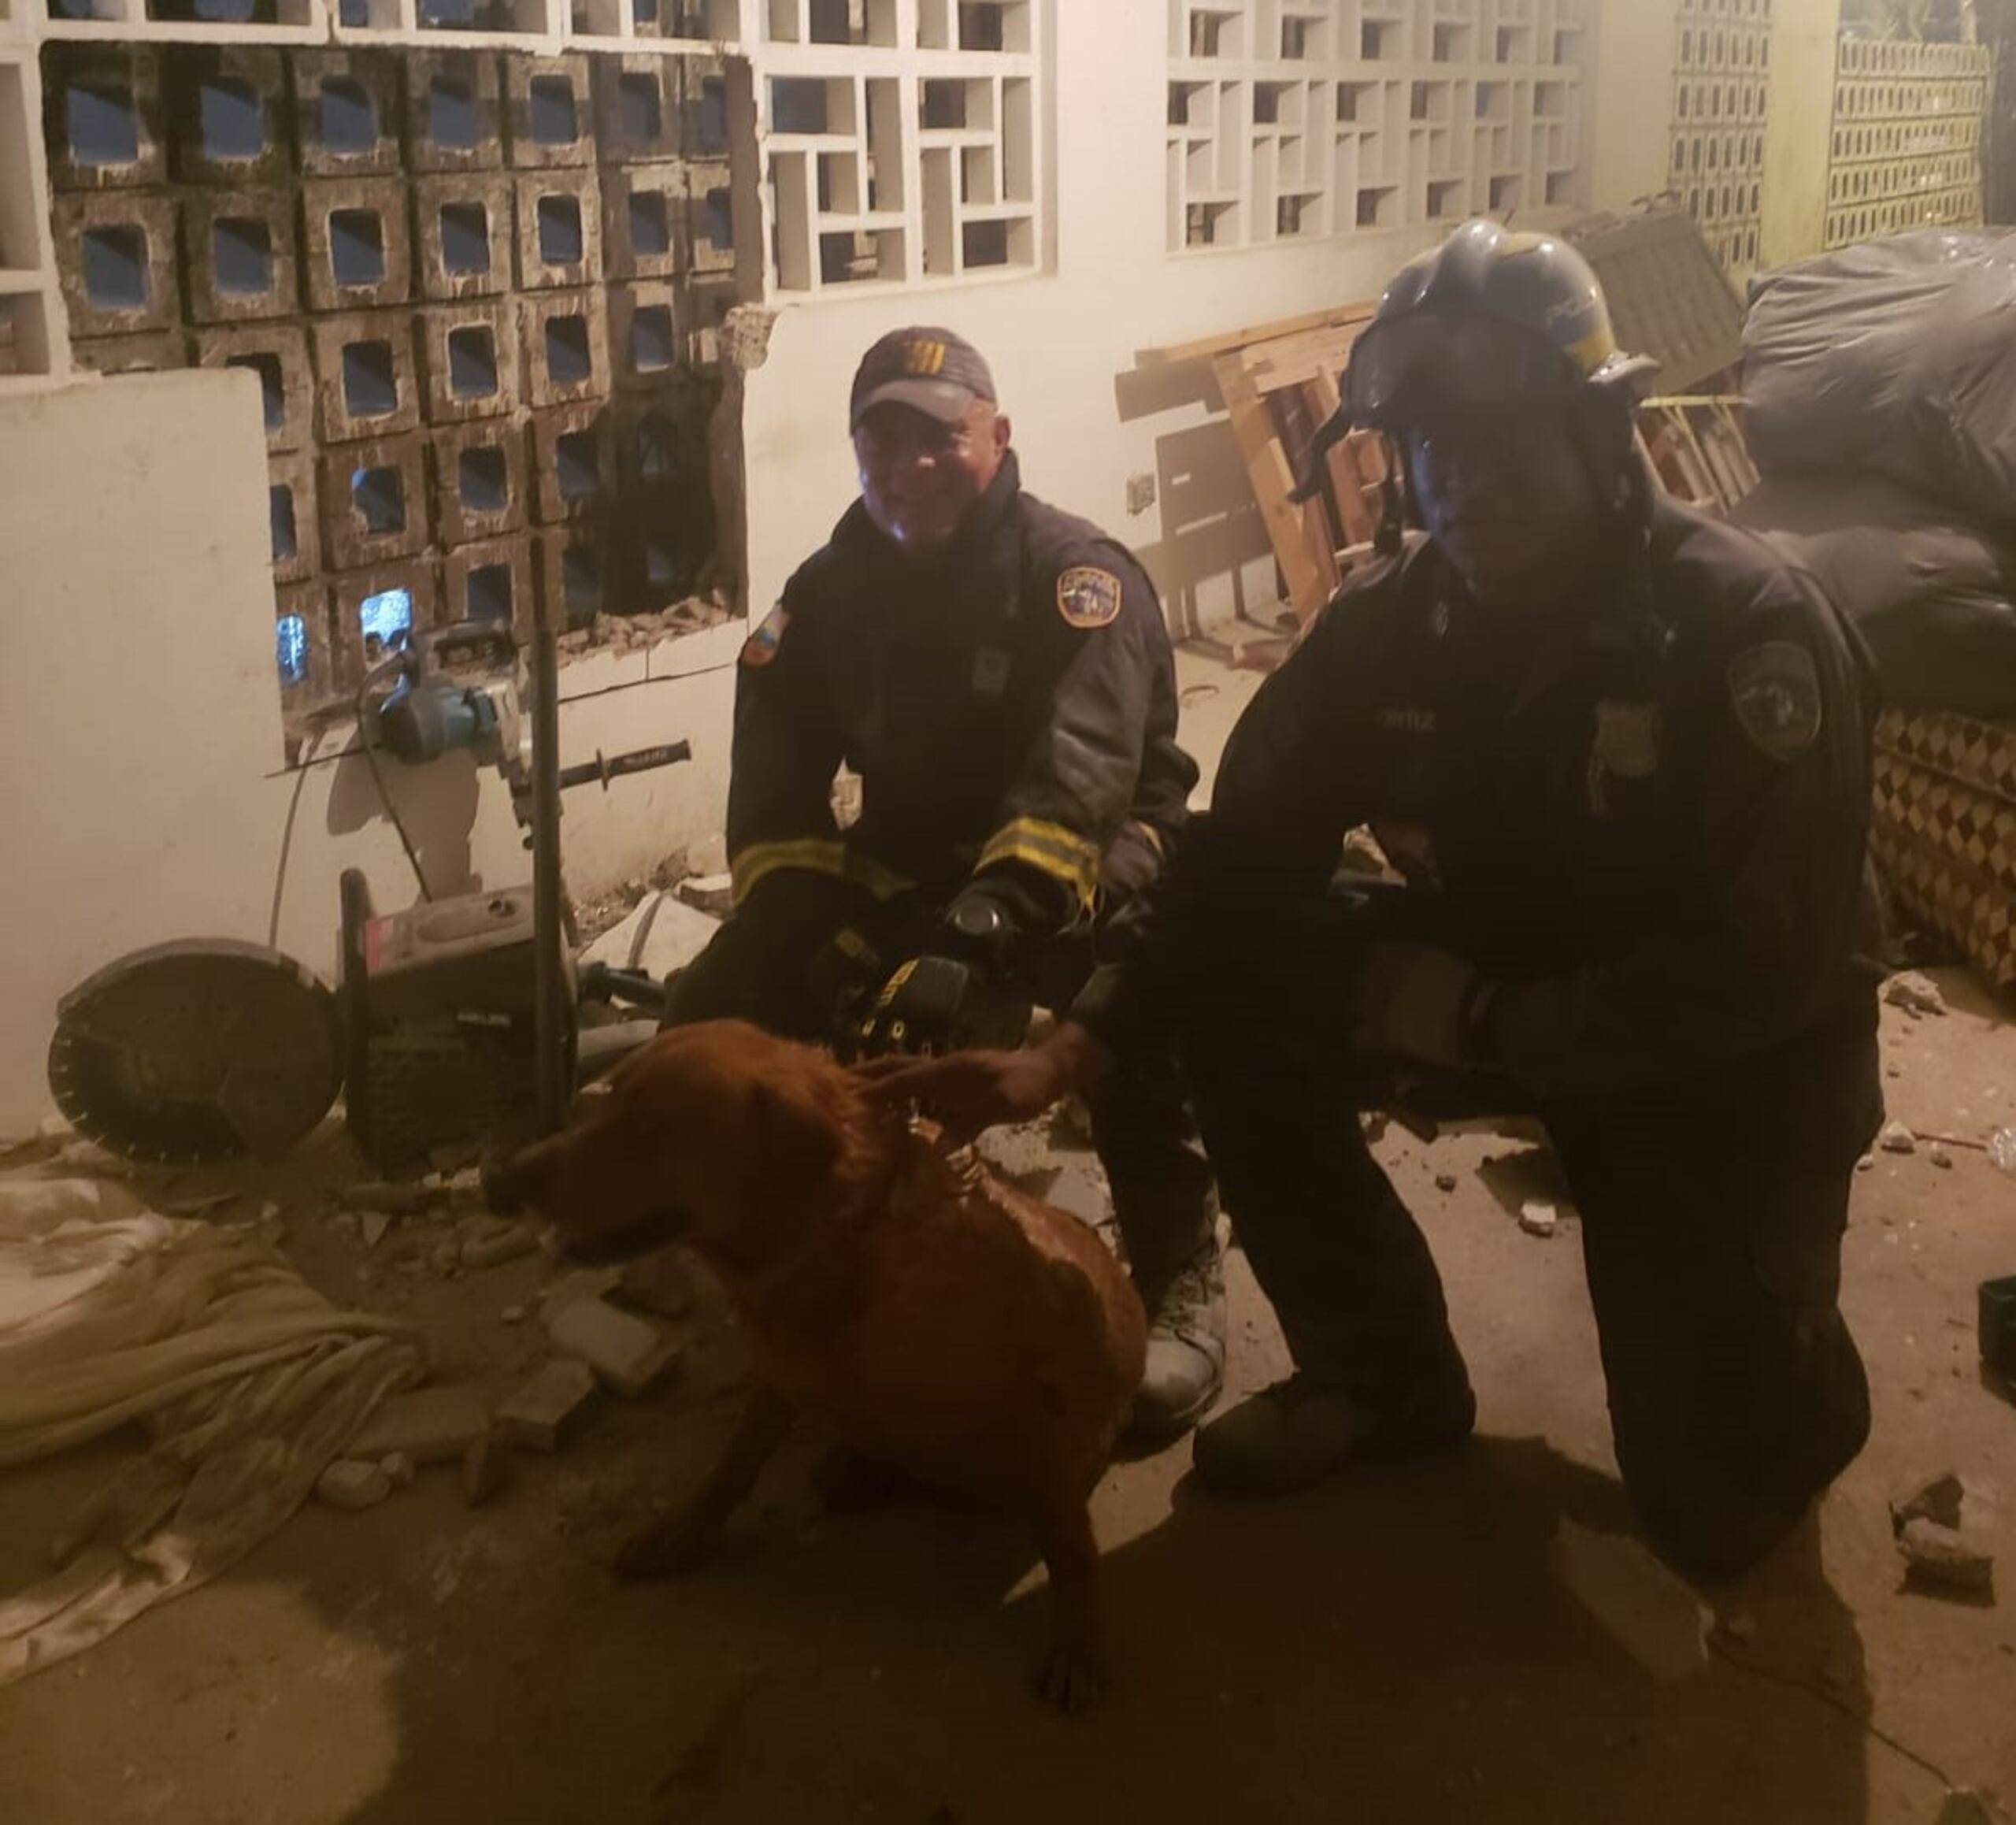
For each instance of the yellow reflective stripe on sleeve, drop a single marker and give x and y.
(813, 855)
(1049, 849)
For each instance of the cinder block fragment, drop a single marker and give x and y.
(149, 351)
(544, 1412)
(291, 514)
(490, 582)
(645, 344)
(463, 244)
(705, 300)
(703, 107)
(479, 482)
(374, 501)
(116, 258)
(365, 382)
(346, 112)
(278, 354)
(559, 229)
(365, 605)
(626, 1353)
(469, 359)
(226, 112)
(101, 115)
(573, 462)
(549, 111)
(637, 107)
(354, 238)
(571, 574)
(708, 243)
(431, 1425)
(644, 220)
(238, 255)
(566, 347)
(453, 119)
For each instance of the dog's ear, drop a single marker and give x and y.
(795, 1141)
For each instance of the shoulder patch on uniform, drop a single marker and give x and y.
(1774, 688)
(762, 646)
(1087, 596)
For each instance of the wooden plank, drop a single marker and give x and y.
(1273, 481)
(1210, 347)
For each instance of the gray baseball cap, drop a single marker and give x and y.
(932, 371)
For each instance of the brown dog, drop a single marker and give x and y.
(949, 1328)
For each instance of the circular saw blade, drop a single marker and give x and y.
(200, 1050)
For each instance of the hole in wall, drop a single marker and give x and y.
(550, 112)
(640, 106)
(580, 583)
(486, 594)
(451, 113)
(650, 229)
(356, 246)
(242, 256)
(560, 240)
(656, 449)
(472, 362)
(231, 123)
(116, 267)
(371, 386)
(380, 497)
(707, 128)
(650, 339)
(101, 124)
(984, 244)
(272, 385)
(567, 358)
(718, 221)
(279, 516)
(576, 464)
(384, 619)
(348, 121)
(291, 643)
(483, 480)
(465, 238)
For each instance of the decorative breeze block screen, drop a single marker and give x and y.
(1295, 120)
(903, 140)
(1906, 151)
(1721, 80)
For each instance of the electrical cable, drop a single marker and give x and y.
(371, 677)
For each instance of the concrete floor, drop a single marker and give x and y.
(1393, 1648)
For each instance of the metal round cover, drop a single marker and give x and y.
(199, 1050)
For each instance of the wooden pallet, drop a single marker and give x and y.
(1695, 443)
(1280, 384)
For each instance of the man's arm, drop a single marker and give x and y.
(1782, 821)
(785, 753)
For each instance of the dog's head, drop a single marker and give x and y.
(732, 1135)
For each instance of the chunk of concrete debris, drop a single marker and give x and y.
(710, 893)
(399, 1467)
(1538, 1218)
(1867, 1163)
(430, 1425)
(491, 1243)
(1915, 993)
(371, 1225)
(1937, 1154)
(577, 1284)
(1945, 1527)
(1896, 1138)
(1654, 1617)
(625, 1352)
(486, 1469)
(1969, 1806)
(657, 1283)
(548, 1407)
(1445, 1181)
(351, 1483)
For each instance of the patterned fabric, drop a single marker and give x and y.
(1944, 830)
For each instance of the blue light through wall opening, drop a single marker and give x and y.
(385, 620)
(292, 632)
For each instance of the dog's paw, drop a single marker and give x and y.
(1072, 1679)
(667, 1548)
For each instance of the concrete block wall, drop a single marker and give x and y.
(411, 250)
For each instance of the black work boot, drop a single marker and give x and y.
(1291, 1436)
(1186, 1349)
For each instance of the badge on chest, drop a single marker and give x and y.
(1626, 747)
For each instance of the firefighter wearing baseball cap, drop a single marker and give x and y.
(1617, 753)
(999, 676)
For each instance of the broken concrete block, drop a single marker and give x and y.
(657, 1283)
(712, 894)
(1896, 1138)
(371, 1225)
(492, 1243)
(430, 1426)
(546, 1408)
(1538, 1218)
(578, 1284)
(625, 1352)
(1937, 1153)
(1915, 993)
(486, 1469)
(399, 1468)
(1950, 1555)
(1935, 1498)
(349, 1483)
(1653, 1616)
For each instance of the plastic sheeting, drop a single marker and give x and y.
(1931, 597)
(1896, 358)
(248, 1381)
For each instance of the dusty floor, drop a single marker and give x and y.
(1393, 1648)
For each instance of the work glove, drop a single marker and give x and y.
(1425, 1006)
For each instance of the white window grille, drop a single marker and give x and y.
(902, 140)
(1296, 119)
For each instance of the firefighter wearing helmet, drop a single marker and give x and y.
(1616, 754)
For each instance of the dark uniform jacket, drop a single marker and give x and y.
(1647, 826)
(1010, 710)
